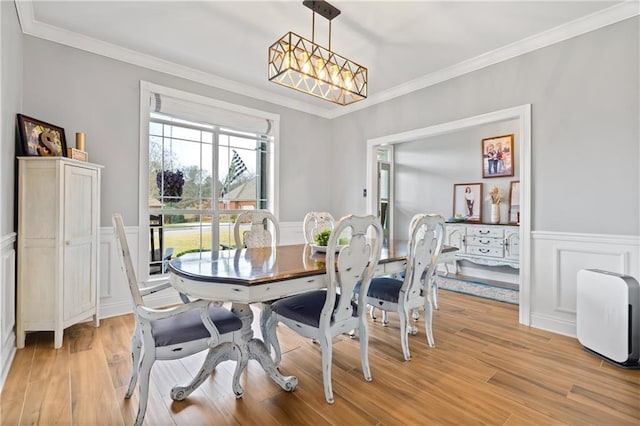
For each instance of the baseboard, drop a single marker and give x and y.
(555, 325)
(8, 354)
(479, 280)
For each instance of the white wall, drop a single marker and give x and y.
(425, 171)
(100, 96)
(10, 104)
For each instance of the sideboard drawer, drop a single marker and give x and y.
(482, 231)
(486, 251)
(485, 242)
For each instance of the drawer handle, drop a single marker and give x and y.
(484, 250)
(483, 232)
(484, 242)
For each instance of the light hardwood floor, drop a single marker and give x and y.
(485, 369)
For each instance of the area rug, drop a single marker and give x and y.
(479, 289)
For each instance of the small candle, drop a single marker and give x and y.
(80, 141)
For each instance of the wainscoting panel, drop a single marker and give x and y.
(7, 304)
(115, 298)
(557, 258)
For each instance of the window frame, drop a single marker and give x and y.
(146, 89)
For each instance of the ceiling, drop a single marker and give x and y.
(405, 45)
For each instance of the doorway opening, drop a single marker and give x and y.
(523, 115)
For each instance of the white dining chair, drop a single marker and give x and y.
(323, 314)
(264, 230)
(175, 332)
(415, 290)
(316, 222)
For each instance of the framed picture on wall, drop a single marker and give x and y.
(497, 156)
(467, 201)
(514, 202)
(38, 138)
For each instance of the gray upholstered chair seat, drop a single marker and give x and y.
(385, 288)
(188, 326)
(306, 307)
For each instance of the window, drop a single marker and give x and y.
(201, 174)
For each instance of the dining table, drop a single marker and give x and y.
(261, 275)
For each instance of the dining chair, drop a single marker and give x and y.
(416, 288)
(175, 332)
(323, 314)
(258, 234)
(316, 222)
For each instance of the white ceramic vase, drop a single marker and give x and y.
(495, 213)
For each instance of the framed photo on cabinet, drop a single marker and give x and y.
(497, 156)
(514, 202)
(38, 138)
(467, 201)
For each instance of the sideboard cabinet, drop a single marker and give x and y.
(58, 241)
(485, 244)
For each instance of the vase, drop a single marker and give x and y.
(495, 213)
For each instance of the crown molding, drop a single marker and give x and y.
(597, 20)
(588, 23)
(35, 28)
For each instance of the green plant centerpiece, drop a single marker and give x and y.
(322, 238)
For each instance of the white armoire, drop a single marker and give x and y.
(58, 240)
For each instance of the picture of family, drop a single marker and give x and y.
(497, 156)
(467, 201)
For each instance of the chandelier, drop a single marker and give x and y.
(303, 65)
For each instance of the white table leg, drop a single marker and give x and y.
(256, 349)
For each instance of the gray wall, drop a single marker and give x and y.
(100, 96)
(426, 170)
(585, 150)
(11, 101)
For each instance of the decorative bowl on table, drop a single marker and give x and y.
(456, 219)
(323, 249)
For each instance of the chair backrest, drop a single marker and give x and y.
(258, 234)
(316, 222)
(426, 233)
(125, 259)
(354, 263)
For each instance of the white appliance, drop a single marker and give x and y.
(608, 316)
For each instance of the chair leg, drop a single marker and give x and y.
(385, 318)
(434, 292)
(428, 320)
(372, 312)
(404, 332)
(363, 335)
(326, 343)
(272, 335)
(143, 386)
(136, 347)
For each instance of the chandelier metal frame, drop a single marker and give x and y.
(303, 65)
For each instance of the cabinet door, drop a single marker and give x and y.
(512, 245)
(80, 240)
(456, 237)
